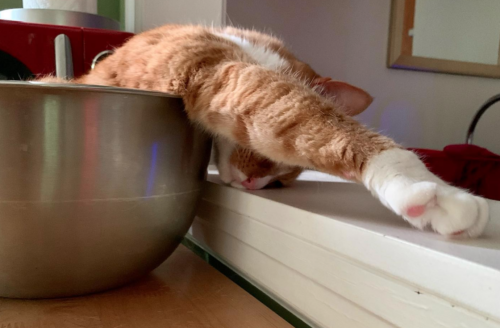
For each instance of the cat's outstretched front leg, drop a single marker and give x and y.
(285, 120)
(403, 184)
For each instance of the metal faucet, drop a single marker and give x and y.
(479, 113)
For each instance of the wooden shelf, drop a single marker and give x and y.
(183, 292)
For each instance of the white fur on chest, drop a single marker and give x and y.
(262, 55)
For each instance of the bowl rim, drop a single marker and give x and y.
(85, 87)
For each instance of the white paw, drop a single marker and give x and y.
(403, 184)
(448, 210)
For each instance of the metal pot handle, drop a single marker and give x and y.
(479, 113)
(100, 56)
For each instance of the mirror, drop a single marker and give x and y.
(446, 36)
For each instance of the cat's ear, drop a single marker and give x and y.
(352, 100)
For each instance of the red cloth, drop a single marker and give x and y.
(466, 166)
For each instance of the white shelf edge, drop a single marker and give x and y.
(481, 294)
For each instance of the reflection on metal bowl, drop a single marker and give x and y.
(98, 186)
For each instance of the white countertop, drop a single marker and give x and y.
(350, 203)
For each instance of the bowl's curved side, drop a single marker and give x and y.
(103, 245)
(96, 189)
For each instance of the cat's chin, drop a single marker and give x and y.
(236, 185)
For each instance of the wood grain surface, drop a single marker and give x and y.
(184, 292)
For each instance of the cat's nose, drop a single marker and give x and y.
(250, 184)
(256, 183)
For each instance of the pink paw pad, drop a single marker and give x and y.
(415, 211)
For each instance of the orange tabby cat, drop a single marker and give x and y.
(272, 115)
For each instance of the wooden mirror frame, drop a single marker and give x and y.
(401, 44)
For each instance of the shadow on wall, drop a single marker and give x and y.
(400, 119)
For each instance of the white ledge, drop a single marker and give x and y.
(333, 254)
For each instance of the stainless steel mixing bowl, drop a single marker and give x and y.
(98, 186)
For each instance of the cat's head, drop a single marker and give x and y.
(243, 168)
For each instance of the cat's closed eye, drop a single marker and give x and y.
(245, 169)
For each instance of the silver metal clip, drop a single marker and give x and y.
(64, 57)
